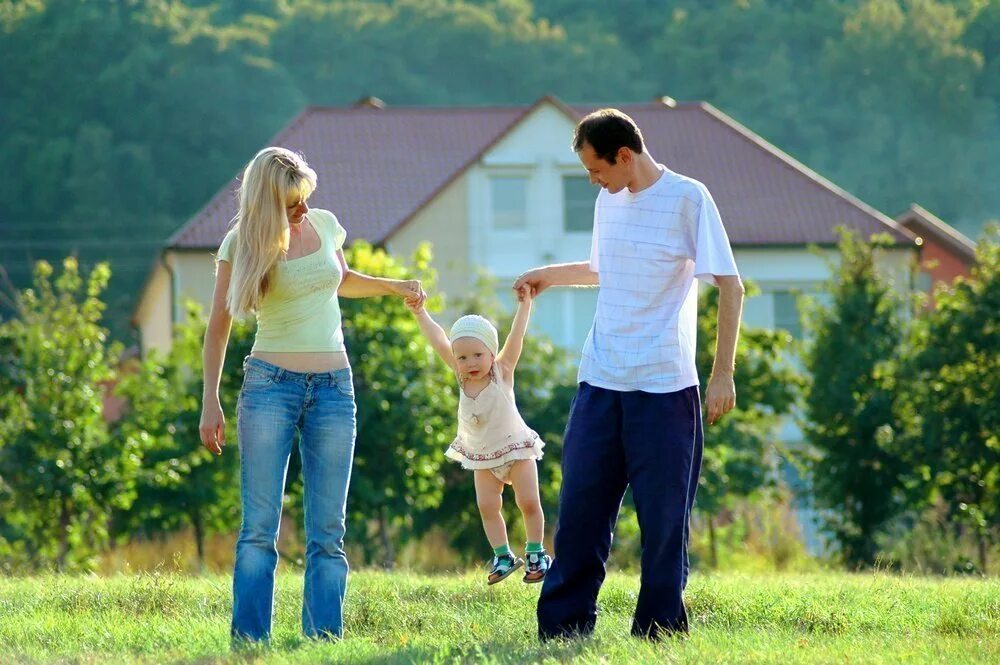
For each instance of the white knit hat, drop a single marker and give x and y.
(476, 327)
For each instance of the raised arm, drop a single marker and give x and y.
(511, 351)
(720, 396)
(212, 427)
(360, 285)
(559, 274)
(434, 333)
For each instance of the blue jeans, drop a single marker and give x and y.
(273, 404)
(653, 442)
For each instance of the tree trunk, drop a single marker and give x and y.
(199, 537)
(712, 547)
(389, 554)
(64, 516)
(982, 551)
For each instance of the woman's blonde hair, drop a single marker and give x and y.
(271, 178)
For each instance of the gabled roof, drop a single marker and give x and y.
(378, 166)
(928, 225)
(765, 196)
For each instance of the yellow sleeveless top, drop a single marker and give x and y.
(300, 311)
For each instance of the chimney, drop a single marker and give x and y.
(369, 102)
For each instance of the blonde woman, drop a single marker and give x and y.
(284, 262)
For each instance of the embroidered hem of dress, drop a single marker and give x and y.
(526, 449)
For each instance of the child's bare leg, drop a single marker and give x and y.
(489, 497)
(524, 478)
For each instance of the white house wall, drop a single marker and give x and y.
(153, 316)
(195, 280)
(539, 149)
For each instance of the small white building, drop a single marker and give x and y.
(500, 188)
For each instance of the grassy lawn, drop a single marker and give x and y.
(399, 617)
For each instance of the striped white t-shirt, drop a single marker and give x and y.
(647, 249)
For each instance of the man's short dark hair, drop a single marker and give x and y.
(607, 131)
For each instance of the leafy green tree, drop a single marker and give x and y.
(180, 483)
(858, 470)
(741, 456)
(403, 51)
(122, 123)
(58, 463)
(903, 67)
(404, 409)
(954, 384)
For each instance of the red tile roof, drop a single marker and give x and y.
(378, 167)
(765, 196)
(926, 224)
(375, 166)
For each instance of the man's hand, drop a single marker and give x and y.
(536, 280)
(720, 397)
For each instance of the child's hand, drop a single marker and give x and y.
(416, 303)
(524, 294)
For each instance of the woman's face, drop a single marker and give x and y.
(296, 209)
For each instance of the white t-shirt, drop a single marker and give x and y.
(647, 249)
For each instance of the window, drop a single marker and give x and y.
(786, 313)
(583, 304)
(547, 317)
(566, 316)
(578, 204)
(508, 200)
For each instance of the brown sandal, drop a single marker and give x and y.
(537, 567)
(503, 566)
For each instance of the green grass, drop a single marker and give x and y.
(398, 617)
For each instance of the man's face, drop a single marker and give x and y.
(613, 177)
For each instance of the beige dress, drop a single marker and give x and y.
(491, 433)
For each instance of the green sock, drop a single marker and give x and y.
(503, 549)
(532, 547)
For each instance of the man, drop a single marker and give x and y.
(636, 417)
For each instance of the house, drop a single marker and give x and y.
(500, 188)
(945, 252)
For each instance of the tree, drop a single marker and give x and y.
(851, 402)
(58, 463)
(953, 385)
(405, 51)
(117, 128)
(180, 482)
(741, 458)
(902, 66)
(404, 408)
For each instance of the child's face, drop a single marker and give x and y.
(473, 358)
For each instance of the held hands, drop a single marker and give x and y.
(212, 427)
(524, 294)
(415, 305)
(411, 292)
(720, 397)
(535, 281)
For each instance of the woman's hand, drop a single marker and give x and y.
(410, 291)
(212, 427)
